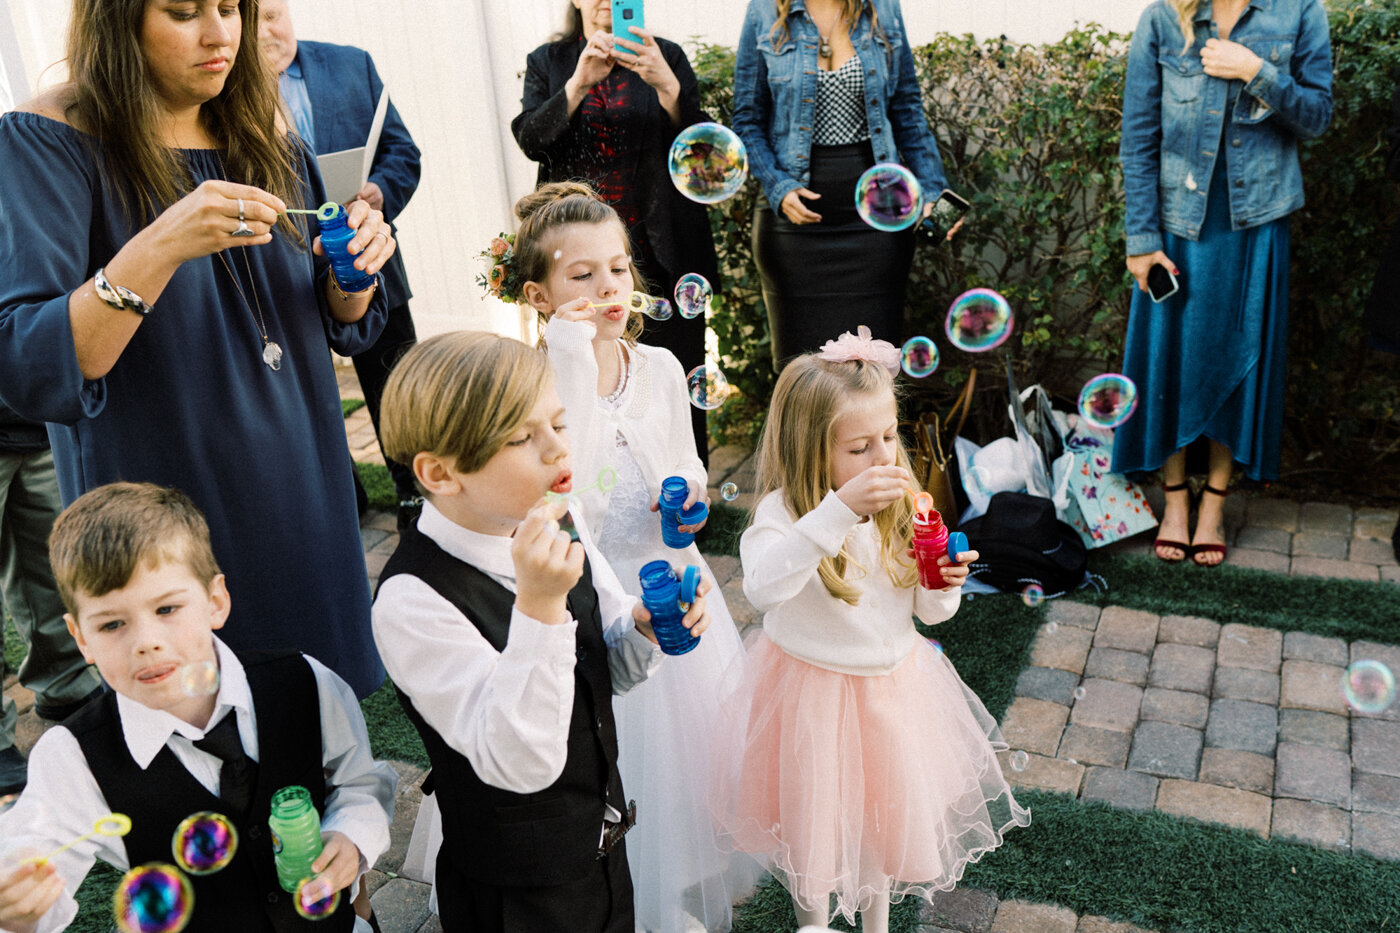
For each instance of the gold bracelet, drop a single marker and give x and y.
(364, 292)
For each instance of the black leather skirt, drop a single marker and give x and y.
(822, 279)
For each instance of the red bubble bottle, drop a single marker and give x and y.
(932, 540)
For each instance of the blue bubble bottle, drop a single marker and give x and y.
(674, 489)
(335, 240)
(667, 598)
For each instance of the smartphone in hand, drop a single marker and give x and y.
(1161, 284)
(946, 211)
(626, 14)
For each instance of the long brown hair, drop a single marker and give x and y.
(114, 100)
(794, 456)
(550, 207)
(850, 12)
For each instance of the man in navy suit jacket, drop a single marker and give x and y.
(331, 92)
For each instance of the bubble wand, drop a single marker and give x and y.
(658, 309)
(607, 479)
(113, 824)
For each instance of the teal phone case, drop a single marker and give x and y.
(625, 14)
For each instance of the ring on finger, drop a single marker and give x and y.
(242, 229)
(383, 234)
(240, 209)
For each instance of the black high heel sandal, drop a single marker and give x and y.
(1183, 547)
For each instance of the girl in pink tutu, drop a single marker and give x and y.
(868, 767)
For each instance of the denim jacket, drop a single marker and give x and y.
(775, 94)
(1173, 118)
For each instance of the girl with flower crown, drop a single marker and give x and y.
(867, 767)
(627, 408)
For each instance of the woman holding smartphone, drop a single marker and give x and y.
(604, 108)
(822, 91)
(1218, 95)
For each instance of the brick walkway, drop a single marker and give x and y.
(1229, 724)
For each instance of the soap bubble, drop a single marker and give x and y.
(200, 679)
(936, 645)
(204, 843)
(1051, 628)
(729, 492)
(1079, 693)
(1107, 401)
(919, 357)
(693, 295)
(1033, 595)
(708, 387)
(708, 162)
(888, 197)
(1369, 686)
(1019, 760)
(153, 898)
(978, 320)
(315, 899)
(980, 480)
(658, 309)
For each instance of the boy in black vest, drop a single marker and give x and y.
(189, 727)
(507, 645)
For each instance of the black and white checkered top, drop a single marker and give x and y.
(840, 116)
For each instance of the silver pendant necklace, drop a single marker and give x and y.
(272, 352)
(824, 50)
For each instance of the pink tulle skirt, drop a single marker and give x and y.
(867, 788)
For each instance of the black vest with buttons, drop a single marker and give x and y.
(498, 836)
(244, 896)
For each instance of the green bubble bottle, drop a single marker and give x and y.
(296, 835)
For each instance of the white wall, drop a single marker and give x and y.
(453, 68)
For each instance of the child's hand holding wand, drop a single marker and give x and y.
(547, 563)
(27, 891)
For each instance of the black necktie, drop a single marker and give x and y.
(238, 776)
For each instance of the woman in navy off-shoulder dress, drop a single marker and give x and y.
(143, 325)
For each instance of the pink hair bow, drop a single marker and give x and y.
(861, 346)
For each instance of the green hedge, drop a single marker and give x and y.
(1030, 134)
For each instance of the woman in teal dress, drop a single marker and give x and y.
(171, 326)
(1209, 150)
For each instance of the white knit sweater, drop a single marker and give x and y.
(655, 420)
(780, 556)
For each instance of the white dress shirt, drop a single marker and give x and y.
(62, 800)
(507, 711)
(780, 556)
(654, 418)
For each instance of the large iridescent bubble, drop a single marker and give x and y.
(708, 162)
(1368, 686)
(315, 899)
(204, 842)
(200, 679)
(888, 197)
(153, 898)
(708, 386)
(978, 320)
(1109, 400)
(919, 357)
(693, 295)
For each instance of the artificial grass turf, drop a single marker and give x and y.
(1348, 609)
(1159, 872)
(379, 485)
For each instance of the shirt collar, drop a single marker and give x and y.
(294, 69)
(148, 730)
(1206, 11)
(490, 553)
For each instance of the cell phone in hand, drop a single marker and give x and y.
(1161, 284)
(625, 15)
(946, 211)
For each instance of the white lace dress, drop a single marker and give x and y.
(666, 725)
